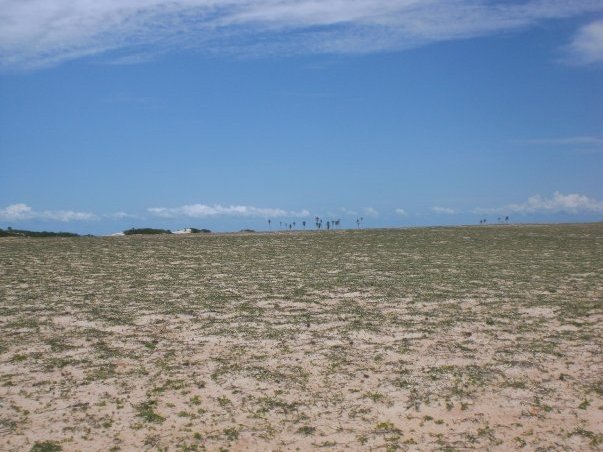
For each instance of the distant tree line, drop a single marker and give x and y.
(199, 231)
(10, 232)
(153, 231)
(137, 231)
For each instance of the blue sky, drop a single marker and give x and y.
(223, 114)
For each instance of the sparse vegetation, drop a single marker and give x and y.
(146, 410)
(46, 446)
(433, 339)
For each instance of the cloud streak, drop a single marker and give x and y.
(121, 216)
(23, 212)
(217, 210)
(42, 32)
(370, 212)
(345, 211)
(443, 210)
(573, 203)
(587, 45)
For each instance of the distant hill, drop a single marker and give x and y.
(23, 233)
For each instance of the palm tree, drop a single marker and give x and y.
(294, 225)
(269, 222)
(304, 224)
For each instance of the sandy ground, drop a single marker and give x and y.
(423, 339)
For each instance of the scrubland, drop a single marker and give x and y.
(411, 339)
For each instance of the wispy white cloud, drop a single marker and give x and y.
(23, 212)
(401, 212)
(133, 58)
(217, 210)
(16, 212)
(345, 211)
(370, 212)
(572, 203)
(299, 213)
(121, 215)
(586, 46)
(443, 210)
(39, 32)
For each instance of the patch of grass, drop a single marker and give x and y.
(268, 404)
(18, 358)
(386, 427)
(168, 385)
(58, 344)
(7, 425)
(224, 401)
(596, 439)
(23, 322)
(231, 433)
(151, 345)
(516, 384)
(146, 410)
(326, 444)
(107, 423)
(375, 396)
(46, 446)
(58, 362)
(101, 373)
(306, 430)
